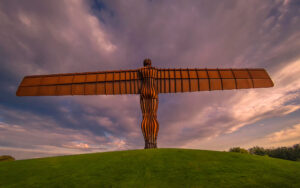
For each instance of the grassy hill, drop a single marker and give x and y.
(152, 168)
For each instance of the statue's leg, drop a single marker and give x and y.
(149, 124)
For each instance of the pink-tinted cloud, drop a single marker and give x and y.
(286, 134)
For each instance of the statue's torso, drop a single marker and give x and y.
(149, 89)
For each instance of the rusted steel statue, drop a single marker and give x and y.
(149, 104)
(147, 81)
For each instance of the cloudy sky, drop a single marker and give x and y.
(64, 36)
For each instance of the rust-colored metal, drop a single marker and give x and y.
(149, 104)
(147, 81)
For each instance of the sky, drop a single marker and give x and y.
(65, 36)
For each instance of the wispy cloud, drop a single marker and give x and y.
(255, 105)
(243, 108)
(289, 134)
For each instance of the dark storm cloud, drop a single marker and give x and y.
(44, 37)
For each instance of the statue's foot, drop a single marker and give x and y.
(150, 145)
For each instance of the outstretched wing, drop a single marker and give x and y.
(89, 83)
(189, 80)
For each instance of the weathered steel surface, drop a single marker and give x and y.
(149, 104)
(190, 80)
(148, 82)
(130, 82)
(93, 83)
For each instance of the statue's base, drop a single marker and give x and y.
(150, 145)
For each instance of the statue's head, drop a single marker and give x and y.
(147, 63)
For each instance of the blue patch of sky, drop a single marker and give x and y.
(294, 101)
(106, 134)
(97, 6)
(268, 126)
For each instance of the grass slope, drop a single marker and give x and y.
(152, 168)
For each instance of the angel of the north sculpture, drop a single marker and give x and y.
(148, 82)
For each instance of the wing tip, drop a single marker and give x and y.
(18, 94)
(272, 83)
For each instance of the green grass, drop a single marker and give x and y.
(152, 168)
